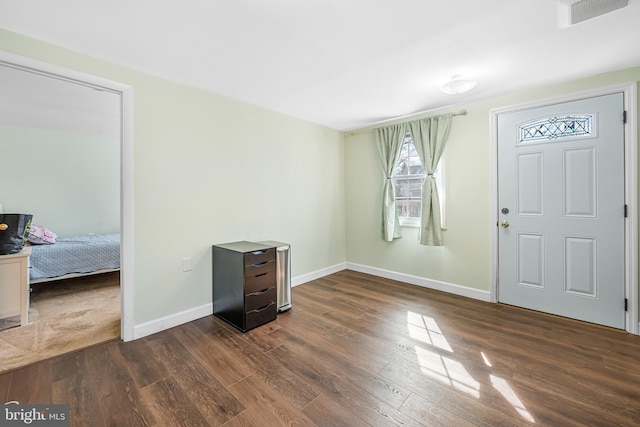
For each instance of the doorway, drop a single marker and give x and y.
(563, 244)
(124, 96)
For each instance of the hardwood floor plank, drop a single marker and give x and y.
(208, 324)
(432, 415)
(202, 390)
(118, 392)
(222, 364)
(282, 381)
(171, 406)
(312, 305)
(580, 392)
(351, 367)
(138, 358)
(307, 320)
(349, 396)
(31, 384)
(459, 394)
(257, 395)
(354, 350)
(5, 384)
(73, 385)
(325, 413)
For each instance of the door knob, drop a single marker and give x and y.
(505, 224)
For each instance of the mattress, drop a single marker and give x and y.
(75, 254)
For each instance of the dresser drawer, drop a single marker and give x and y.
(260, 282)
(260, 298)
(255, 270)
(260, 315)
(259, 257)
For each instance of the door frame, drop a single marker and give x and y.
(630, 179)
(126, 168)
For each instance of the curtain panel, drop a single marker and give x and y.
(429, 137)
(389, 141)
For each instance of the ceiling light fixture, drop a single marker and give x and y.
(458, 84)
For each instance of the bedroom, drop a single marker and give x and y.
(62, 154)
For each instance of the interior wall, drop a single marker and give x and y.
(60, 150)
(208, 169)
(69, 182)
(466, 257)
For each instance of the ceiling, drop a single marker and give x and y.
(345, 64)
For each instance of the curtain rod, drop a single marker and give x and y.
(376, 125)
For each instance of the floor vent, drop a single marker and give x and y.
(572, 12)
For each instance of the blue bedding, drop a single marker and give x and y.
(75, 254)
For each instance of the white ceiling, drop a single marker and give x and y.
(341, 63)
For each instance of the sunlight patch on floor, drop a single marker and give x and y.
(510, 396)
(486, 359)
(426, 330)
(447, 371)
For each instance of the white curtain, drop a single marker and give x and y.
(430, 136)
(389, 141)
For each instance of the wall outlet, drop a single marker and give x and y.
(186, 264)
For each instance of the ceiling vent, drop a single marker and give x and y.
(572, 12)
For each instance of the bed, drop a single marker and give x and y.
(74, 256)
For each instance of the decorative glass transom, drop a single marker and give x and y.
(557, 127)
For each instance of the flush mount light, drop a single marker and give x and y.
(458, 84)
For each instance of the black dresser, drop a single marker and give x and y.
(244, 284)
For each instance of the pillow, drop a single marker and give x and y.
(39, 235)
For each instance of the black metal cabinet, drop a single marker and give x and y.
(244, 284)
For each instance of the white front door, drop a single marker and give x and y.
(562, 208)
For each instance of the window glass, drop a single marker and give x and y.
(408, 180)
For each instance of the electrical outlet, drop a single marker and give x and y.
(186, 264)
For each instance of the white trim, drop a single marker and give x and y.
(299, 280)
(631, 197)
(126, 167)
(421, 281)
(172, 320)
(127, 326)
(631, 187)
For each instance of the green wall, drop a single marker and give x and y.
(466, 258)
(208, 169)
(70, 182)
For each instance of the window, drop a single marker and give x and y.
(558, 127)
(408, 179)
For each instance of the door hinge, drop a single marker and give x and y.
(624, 116)
(625, 211)
(626, 304)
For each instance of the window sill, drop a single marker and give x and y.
(415, 224)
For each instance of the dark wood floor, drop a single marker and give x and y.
(355, 350)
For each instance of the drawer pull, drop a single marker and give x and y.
(259, 309)
(261, 274)
(258, 252)
(258, 264)
(258, 292)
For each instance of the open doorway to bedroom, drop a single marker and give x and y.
(61, 137)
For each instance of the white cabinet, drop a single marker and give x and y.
(14, 285)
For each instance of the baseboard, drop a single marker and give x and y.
(299, 280)
(177, 319)
(171, 321)
(421, 281)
